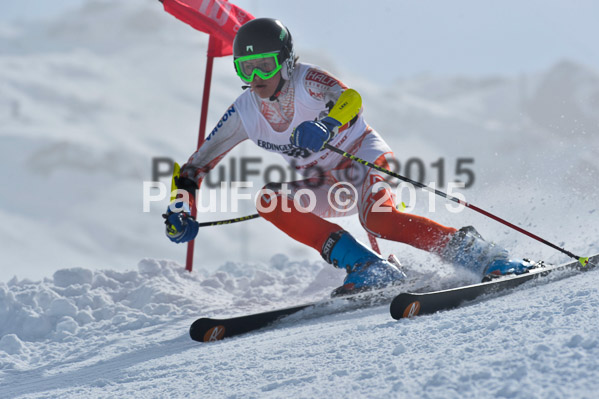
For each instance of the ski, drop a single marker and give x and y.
(413, 304)
(208, 329)
(212, 329)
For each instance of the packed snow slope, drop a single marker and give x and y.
(106, 334)
(84, 110)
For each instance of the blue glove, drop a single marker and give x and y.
(313, 135)
(180, 225)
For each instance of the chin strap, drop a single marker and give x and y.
(278, 90)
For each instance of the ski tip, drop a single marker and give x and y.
(403, 307)
(412, 309)
(203, 330)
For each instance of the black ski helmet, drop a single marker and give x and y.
(266, 35)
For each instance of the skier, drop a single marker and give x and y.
(286, 111)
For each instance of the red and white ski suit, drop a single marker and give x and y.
(310, 95)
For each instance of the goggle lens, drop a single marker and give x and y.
(264, 65)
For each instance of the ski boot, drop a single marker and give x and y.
(468, 249)
(366, 270)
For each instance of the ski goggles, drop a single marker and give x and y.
(264, 65)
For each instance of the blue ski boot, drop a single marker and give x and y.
(468, 249)
(366, 270)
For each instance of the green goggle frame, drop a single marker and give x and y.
(264, 75)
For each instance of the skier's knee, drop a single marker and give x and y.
(376, 220)
(368, 224)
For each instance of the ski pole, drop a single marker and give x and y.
(228, 221)
(583, 260)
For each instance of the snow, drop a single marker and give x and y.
(121, 333)
(94, 300)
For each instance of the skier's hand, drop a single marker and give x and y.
(313, 135)
(180, 225)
